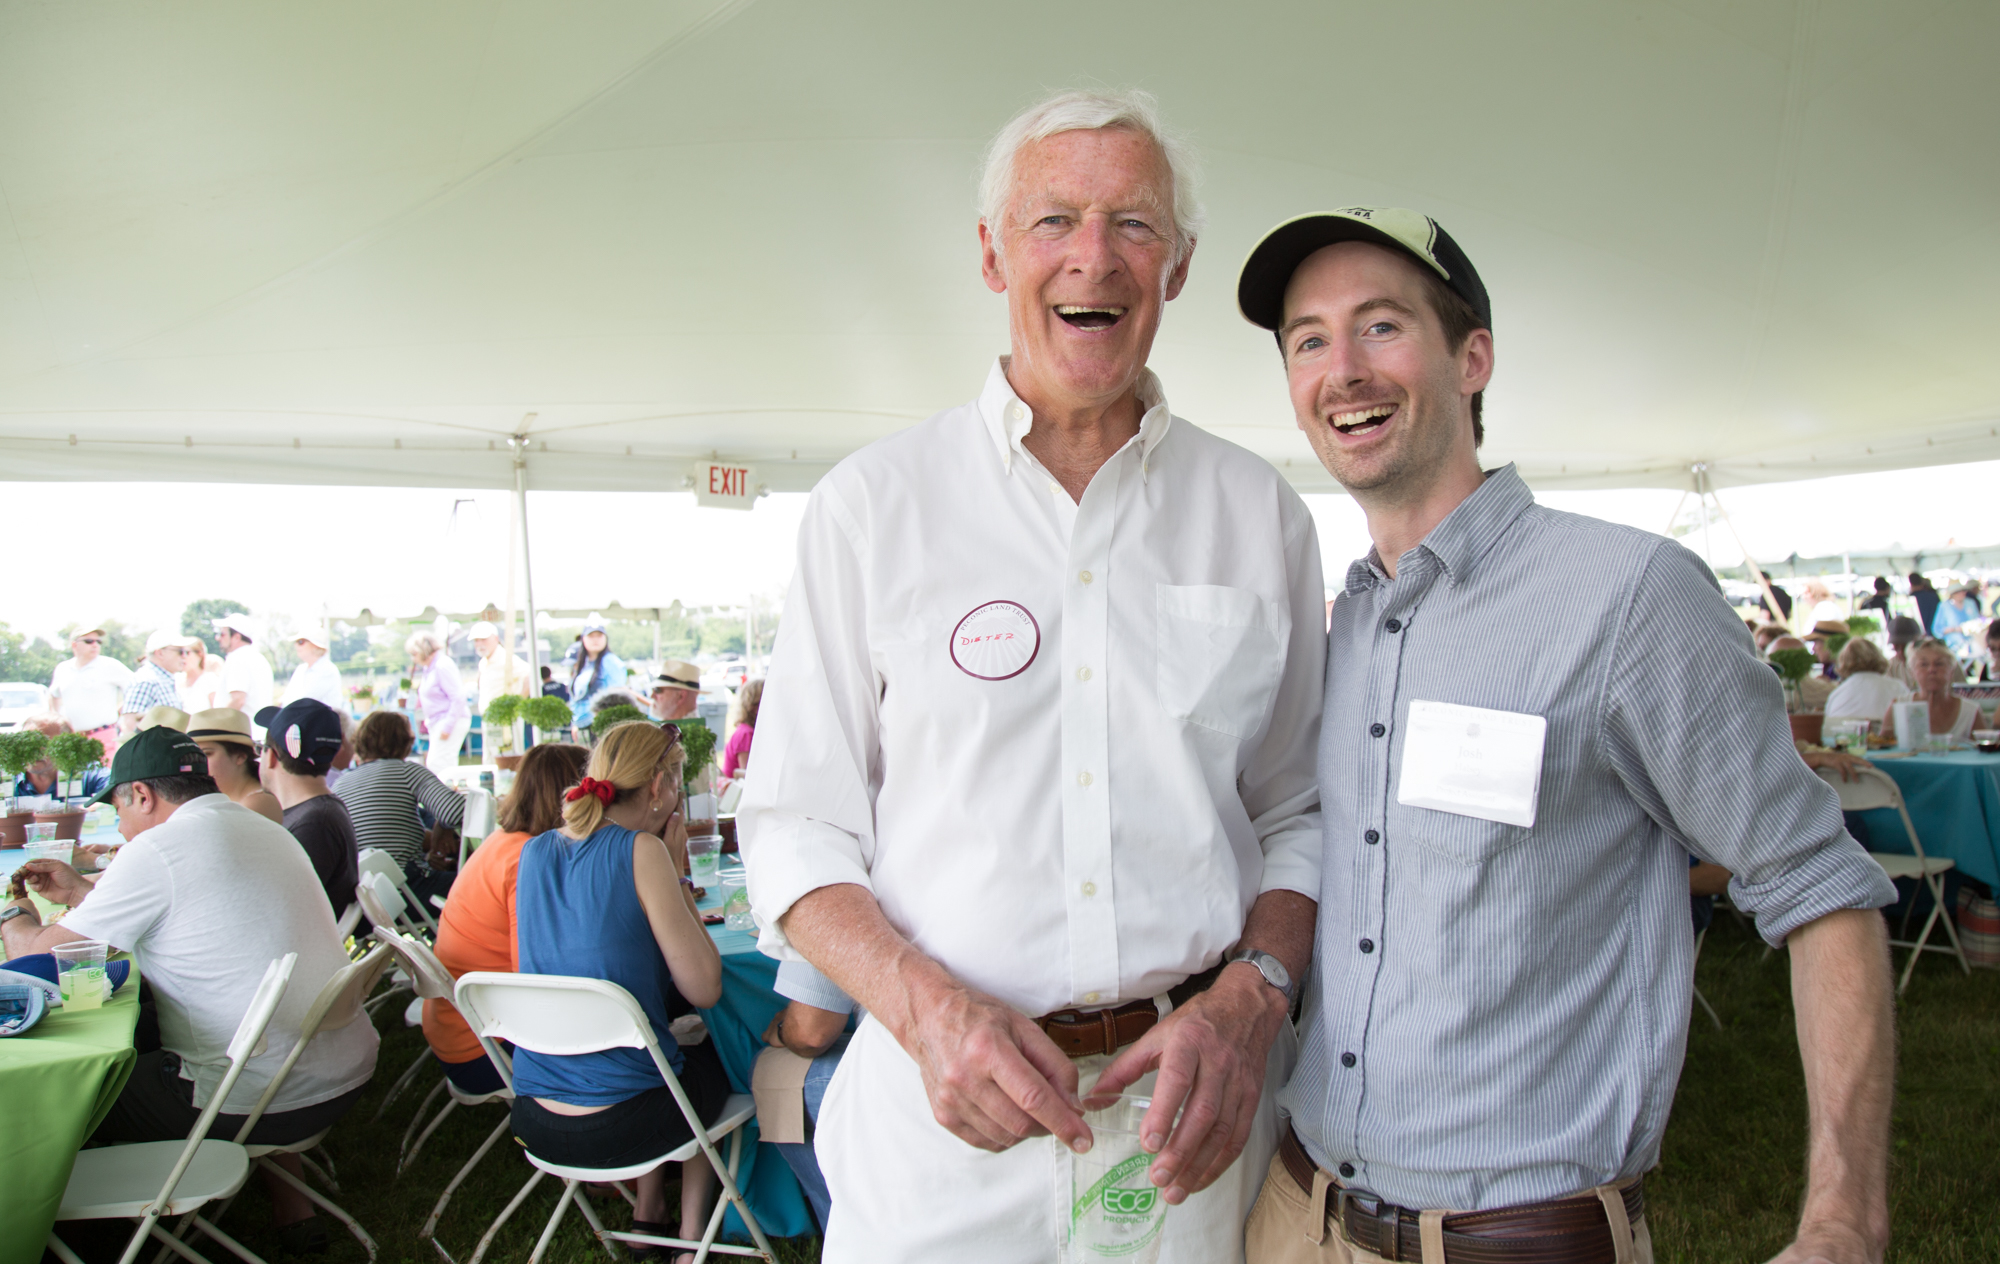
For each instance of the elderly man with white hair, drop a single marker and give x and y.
(1037, 748)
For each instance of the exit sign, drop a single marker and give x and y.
(723, 485)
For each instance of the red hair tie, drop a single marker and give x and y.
(604, 791)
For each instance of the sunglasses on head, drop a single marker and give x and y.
(673, 732)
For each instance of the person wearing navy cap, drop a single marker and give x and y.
(301, 740)
(1498, 1002)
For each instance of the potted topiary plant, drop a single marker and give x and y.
(698, 740)
(72, 753)
(548, 715)
(610, 718)
(18, 750)
(1793, 667)
(500, 717)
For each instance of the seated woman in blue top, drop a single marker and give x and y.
(603, 898)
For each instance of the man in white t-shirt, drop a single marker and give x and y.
(315, 677)
(205, 895)
(499, 671)
(85, 690)
(246, 673)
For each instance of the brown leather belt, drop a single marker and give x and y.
(1082, 1034)
(1561, 1231)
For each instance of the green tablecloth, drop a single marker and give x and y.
(57, 1082)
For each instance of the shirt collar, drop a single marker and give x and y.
(1459, 541)
(1008, 419)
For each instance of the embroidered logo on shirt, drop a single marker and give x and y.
(997, 641)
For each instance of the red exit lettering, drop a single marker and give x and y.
(728, 480)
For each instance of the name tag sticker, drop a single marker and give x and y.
(1472, 762)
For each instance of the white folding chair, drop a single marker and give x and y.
(434, 982)
(558, 1016)
(339, 1003)
(175, 1178)
(375, 860)
(1872, 788)
(385, 905)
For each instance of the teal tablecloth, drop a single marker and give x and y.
(1954, 802)
(736, 1025)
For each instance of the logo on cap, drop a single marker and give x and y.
(293, 742)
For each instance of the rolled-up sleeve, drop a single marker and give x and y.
(1280, 785)
(807, 817)
(1696, 729)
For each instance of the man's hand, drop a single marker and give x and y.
(53, 880)
(994, 1078)
(1210, 1054)
(1843, 762)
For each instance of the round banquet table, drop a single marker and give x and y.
(736, 1025)
(57, 1082)
(1954, 803)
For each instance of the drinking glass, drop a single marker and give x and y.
(736, 907)
(1115, 1212)
(80, 969)
(704, 858)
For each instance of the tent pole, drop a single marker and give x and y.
(520, 445)
(1756, 571)
(1701, 491)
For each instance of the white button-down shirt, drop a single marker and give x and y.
(1065, 744)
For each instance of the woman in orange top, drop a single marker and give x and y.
(476, 928)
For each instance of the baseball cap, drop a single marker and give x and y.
(150, 753)
(1260, 289)
(311, 636)
(307, 730)
(166, 638)
(221, 724)
(675, 674)
(595, 623)
(241, 623)
(88, 629)
(483, 631)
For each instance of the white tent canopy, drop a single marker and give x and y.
(362, 243)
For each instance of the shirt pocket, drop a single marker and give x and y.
(1219, 654)
(1468, 840)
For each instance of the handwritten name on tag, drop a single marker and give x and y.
(1472, 761)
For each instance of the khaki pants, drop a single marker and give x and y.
(1288, 1226)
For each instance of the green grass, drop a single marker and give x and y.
(1728, 1187)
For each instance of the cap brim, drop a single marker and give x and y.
(1260, 287)
(265, 715)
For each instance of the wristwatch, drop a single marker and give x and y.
(1270, 967)
(11, 912)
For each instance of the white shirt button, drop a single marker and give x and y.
(1083, 779)
(1055, 488)
(1015, 412)
(1083, 673)
(1083, 576)
(1090, 888)
(1090, 998)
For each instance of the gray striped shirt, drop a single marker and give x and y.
(1497, 1014)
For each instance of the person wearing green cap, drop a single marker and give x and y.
(204, 894)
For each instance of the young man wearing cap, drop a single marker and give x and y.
(154, 684)
(499, 672)
(246, 673)
(315, 677)
(205, 895)
(1499, 1006)
(85, 689)
(303, 737)
(676, 690)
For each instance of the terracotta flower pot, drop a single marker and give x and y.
(509, 761)
(14, 829)
(69, 825)
(1806, 726)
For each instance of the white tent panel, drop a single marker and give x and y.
(361, 243)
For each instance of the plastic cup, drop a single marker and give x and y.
(43, 833)
(736, 907)
(80, 971)
(704, 858)
(48, 847)
(1115, 1211)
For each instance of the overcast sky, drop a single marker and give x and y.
(146, 549)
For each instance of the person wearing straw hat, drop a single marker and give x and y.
(315, 677)
(165, 717)
(246, 673)
(224, 735)
(1498, 1004)
(675, 690)
(155, 684)
(500, 672)
(85, 689)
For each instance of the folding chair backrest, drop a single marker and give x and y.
(338, 1004)
(1871, 788)
(380, 900)
(479, 812)
(427, 974)
(732, 795)
(556, 1015)
(375, 860)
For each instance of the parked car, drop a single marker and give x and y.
(20, 699)
(727, 675)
